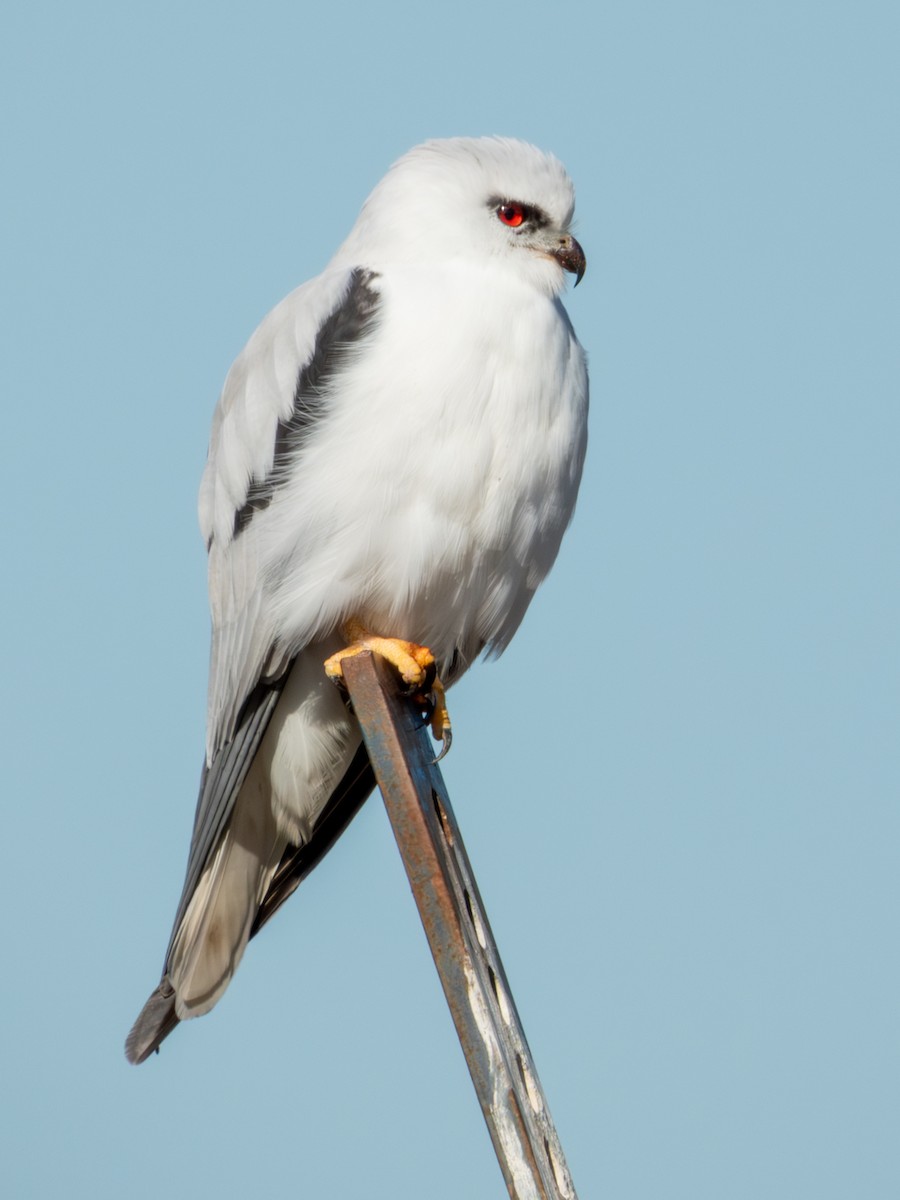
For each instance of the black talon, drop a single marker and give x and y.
(446, 743)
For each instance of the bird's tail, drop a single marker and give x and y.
(216, 926)
(156, 1021)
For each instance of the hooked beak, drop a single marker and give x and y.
(570, 256)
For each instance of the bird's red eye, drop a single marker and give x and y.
(511, 214)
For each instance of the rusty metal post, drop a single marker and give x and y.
(460, 937)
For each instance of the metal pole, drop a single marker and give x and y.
(459, 934)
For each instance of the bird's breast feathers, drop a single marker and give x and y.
(440, 480)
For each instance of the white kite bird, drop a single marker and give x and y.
(393, 462)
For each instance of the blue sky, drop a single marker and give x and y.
(679, 786)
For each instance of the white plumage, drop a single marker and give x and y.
(399, 444)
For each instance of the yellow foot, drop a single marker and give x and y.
(412, 661)
(414, 664)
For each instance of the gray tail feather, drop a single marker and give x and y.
(156, 1021)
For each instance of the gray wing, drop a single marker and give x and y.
(220, 783)
(219, 786)
(248, 666)
(157, 1018)
(271, 403)
(257, 439)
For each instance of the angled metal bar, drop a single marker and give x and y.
(464, 950)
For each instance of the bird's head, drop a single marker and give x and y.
(488, 200)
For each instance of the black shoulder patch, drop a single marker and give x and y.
(339, 333)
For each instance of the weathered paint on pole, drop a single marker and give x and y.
(459, 934)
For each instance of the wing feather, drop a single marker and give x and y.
(272, 399)
(220, 783)
(270, 405)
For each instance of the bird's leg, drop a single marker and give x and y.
(441, 730)
(415, 665)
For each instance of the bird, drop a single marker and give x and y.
(393, 462)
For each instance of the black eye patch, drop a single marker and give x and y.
(516, 215)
